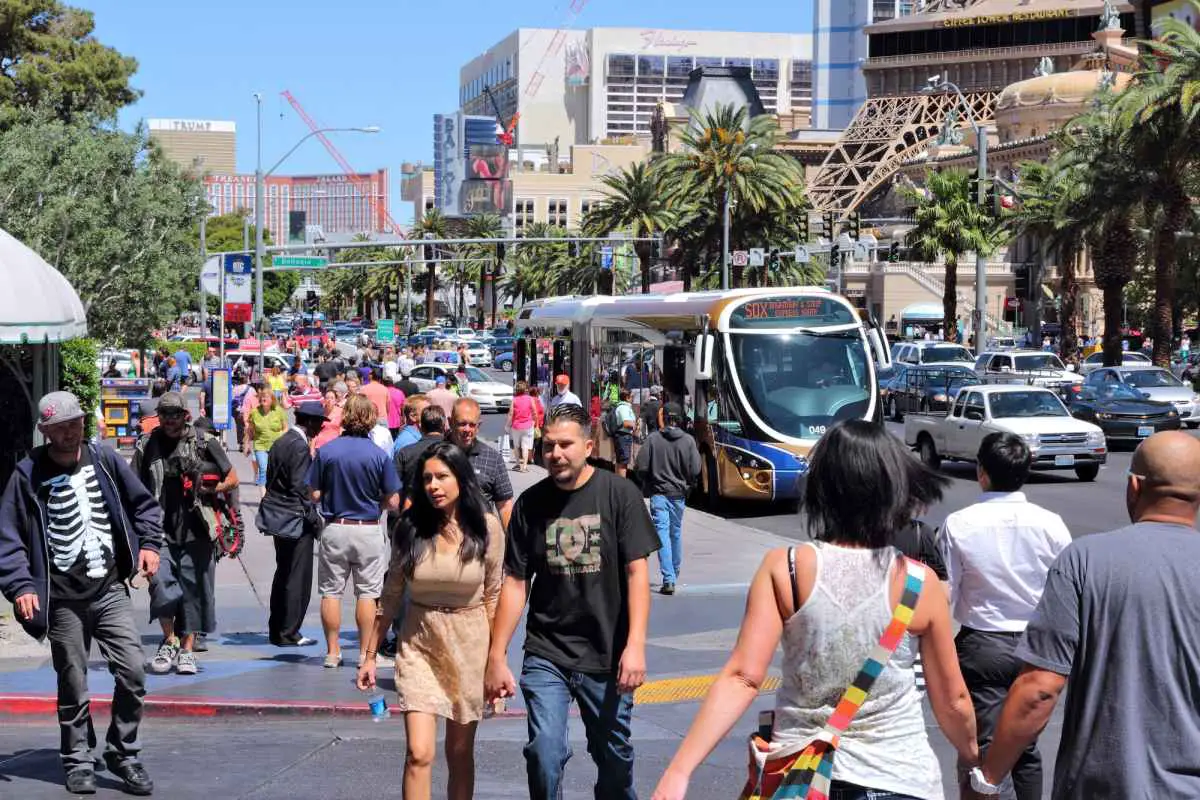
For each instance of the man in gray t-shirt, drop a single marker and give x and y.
(1119, 620)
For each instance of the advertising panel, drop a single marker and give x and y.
(239, 287)
(487, 197)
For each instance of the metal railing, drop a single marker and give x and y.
(985, 53)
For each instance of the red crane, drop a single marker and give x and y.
(556, 43)
(393, 227)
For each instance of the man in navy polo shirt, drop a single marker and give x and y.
(354, 482)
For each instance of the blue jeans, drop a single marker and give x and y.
(849, 791)
(260, 456)
(667, 513)
(607, 715)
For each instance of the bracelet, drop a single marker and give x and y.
(371, 653)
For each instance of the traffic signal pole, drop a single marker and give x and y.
(981, 260)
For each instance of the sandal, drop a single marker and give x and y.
(333, 661)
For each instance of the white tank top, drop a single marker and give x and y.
(824, 646)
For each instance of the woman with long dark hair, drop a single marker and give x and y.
(449, 554)
(841, 605)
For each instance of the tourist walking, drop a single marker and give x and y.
(414, 404)
(487, 461)
(521, 419)
(441, 396)
(620, 422)
(562, 395)
(997, 555)
(669, 465)
(287, 514)
(355, 483)
(1117, 619)
(265, 424)
(186, 470)
(840, 605)
(406, 460)
(75, 525)
(334, 405)
(448, 557)
(581, 537)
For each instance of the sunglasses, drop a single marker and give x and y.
(172, 414)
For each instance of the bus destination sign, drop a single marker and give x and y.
(789, 311)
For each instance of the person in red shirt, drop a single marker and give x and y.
(374, 390)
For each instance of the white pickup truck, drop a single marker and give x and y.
(1056, 439)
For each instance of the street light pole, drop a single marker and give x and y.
(259, 197)
(725, 246)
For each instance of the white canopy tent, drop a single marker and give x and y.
(39, 310)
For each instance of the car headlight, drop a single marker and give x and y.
(1196, 398)
(939, 398)
(744, 460)
(1103, 415)
(1031, 439)
(1095, 438)
(1172, 413)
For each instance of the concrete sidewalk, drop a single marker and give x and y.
(242, 674)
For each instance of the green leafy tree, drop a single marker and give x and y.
(433, 222)
(224, 234)
(49, 59)
(949, 223)
(113, 216)
(633, 203)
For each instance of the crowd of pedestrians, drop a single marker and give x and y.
(380, 487)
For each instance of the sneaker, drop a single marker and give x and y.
(186, 663)
(668, 588)
(81, 781)
(164, 659)
(133, 776)
(333, 661)
(200, 645)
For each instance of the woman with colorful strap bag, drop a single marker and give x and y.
(847, 723)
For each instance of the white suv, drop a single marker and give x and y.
(941, 353)
(1032, 367)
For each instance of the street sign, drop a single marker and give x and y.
(239, 282)
(210, 275)
(385, 331)
(802, 254)
(606, 258)
(300, 262)
(861, 251)
(740, 258)
(1012, 303)
(757, 256)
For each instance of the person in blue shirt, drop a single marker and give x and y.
(411, 432)
(183, 360)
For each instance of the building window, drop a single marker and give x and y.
(522, 215)
(621, 66)
(585, 207)
(766, 69)
(680, 66)
(429, 204)
(707, 61)
(556, 213)
(737, 62)
(651, 66)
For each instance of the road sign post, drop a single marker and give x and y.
(606, 258)
(300, 262)
(802, 254)
(385, 331)
(757, 256)
(239, 301)
(740, 258)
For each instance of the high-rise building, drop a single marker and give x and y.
(209, 145)
(334, 203)
(601, 84)
(840, 49)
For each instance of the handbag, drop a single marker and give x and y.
(273, 520)
(805, 771)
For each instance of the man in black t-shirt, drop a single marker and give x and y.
(327, 372)
(582, 537)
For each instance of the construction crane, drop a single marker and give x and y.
(556, 43)
(372, 198)
(504, 132)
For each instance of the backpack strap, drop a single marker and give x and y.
(792, 579)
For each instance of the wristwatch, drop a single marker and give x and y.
(980, 784)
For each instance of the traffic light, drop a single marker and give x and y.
(573, 248)
(827, 225)
(773, 262)
(855, 226)
(1021, 274)
(311, 301)
(894, 252)
(499, 252)
(835, 253)
(804, 229)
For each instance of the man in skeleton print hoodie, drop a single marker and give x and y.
(75, 525)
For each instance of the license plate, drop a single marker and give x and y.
(1145, 430)
(1064, 461)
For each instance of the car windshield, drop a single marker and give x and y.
(1006, 405)
(1117, 391)
(1151, 378)
(943, 353)
(476, 374)
(1030, 363)
(1126, 358)
(799, 384)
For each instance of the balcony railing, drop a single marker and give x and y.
(986, 54)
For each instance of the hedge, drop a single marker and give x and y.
(80, 377)
(197, 350)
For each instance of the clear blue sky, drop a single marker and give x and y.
(356, 62)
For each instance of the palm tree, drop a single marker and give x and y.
(949, 222)
(1159, 117)
(435, 223)
(727, 157)
(633, 203)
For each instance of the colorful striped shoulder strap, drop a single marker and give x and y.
(811, 774)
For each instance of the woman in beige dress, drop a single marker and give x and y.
(449, 554)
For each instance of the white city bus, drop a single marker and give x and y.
(761, 373)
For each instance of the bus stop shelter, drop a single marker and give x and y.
(39, 310)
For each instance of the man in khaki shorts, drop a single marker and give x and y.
(354, 482)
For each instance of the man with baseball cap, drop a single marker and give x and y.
(171, 462)
(442, 397)
(289, 516)
(75, 525)
(562, 395)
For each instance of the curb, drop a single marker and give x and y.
(17, 706)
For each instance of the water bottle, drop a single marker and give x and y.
(378, 705)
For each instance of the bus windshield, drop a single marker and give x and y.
(799, 384)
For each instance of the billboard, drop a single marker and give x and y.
(578, 64)
(487, 197)
(297, 224)
(448, 162)
(239, 285)
(487, 162)
(466, 154)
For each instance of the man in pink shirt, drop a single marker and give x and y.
(395, 409)
(441, 396)
(377, 393)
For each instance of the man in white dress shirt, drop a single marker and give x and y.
(998, 553)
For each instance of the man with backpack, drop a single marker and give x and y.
(619, 423)
(173, 463)
(669, 465)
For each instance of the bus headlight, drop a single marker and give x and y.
(745, 460)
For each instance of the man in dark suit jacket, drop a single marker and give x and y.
(288, 497)
(433, 430)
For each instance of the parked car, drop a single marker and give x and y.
(1027, 367)
(1154, 383)
(124, 361)
(932, 353)
(503, 361)
(1128, 359)
(1056, 439)
(922, 388)
(1122, 412)
(247, 360)
(492, 395)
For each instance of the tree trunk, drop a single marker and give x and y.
(950, 300)
(1166, 269)
(643, 254)
(1068, 340)
(430, 286)
(1114, 296)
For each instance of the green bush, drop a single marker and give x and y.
(79, 376)
(197, 350)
